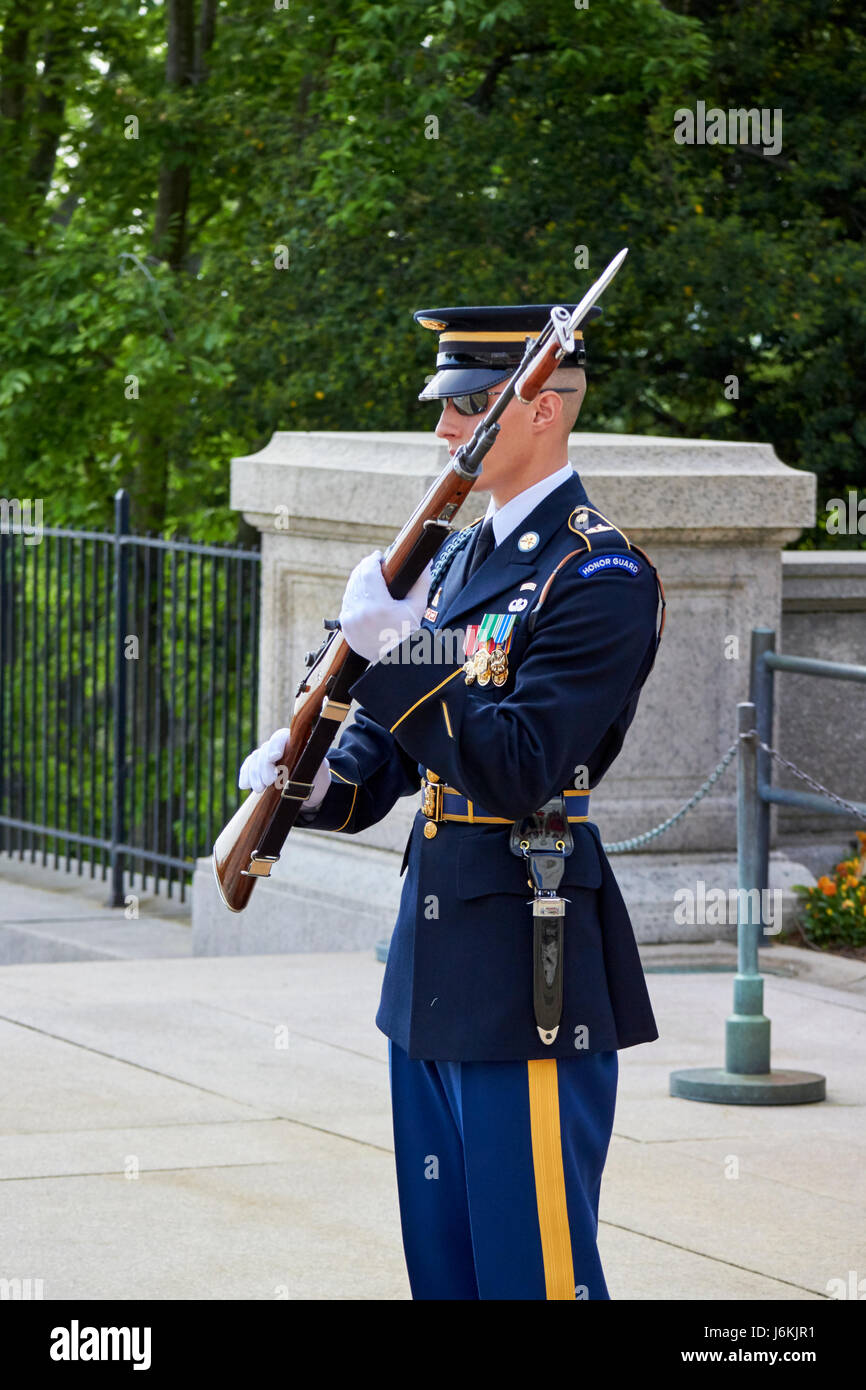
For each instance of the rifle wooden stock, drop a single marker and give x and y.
(420, 538)
(540, 368)
(236, 843)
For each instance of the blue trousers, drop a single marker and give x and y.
(499, 1168)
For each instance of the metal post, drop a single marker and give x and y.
(747, 1031)
(121, 600)
(746, 1078)
(762, 694)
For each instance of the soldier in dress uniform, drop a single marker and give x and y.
(525, 645)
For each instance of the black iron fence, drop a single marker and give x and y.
(128, 698)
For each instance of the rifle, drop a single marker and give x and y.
(250, 844)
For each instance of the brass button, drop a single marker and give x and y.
(430, 828)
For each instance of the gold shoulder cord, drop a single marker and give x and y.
(585, 511)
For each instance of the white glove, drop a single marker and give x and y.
(321, 783)
(369, 611)
(259, 770)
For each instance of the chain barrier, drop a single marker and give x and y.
(622, 846)
(816, 786)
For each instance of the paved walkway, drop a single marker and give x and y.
(182, 1127)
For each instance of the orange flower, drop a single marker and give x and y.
(827, 886)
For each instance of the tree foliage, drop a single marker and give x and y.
(216, 220)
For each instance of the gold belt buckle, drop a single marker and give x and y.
(431, 799)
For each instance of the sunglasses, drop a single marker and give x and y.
(476, 402)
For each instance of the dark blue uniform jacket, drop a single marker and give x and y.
(458, 980)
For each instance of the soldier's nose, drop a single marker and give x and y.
(448, 427)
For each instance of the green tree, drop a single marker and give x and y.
(303, 179)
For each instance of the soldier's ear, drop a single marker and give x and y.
(548, 409)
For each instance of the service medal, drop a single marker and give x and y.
(469, 645)
(482, 666)
(494, 638)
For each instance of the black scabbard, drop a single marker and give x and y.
(544, 839)
(547, 950)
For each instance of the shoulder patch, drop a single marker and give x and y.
(610, 560)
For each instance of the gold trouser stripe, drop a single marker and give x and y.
(447, 720)
(354, 794)
(406, 713)
(550, 1179)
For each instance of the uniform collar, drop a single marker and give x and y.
(511, 513)
(508, 563)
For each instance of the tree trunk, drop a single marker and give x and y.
(169, 233)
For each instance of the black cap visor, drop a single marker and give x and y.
(459, 381)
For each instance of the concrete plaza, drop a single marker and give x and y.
(181, 1127)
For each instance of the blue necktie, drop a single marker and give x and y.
(483, 546)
